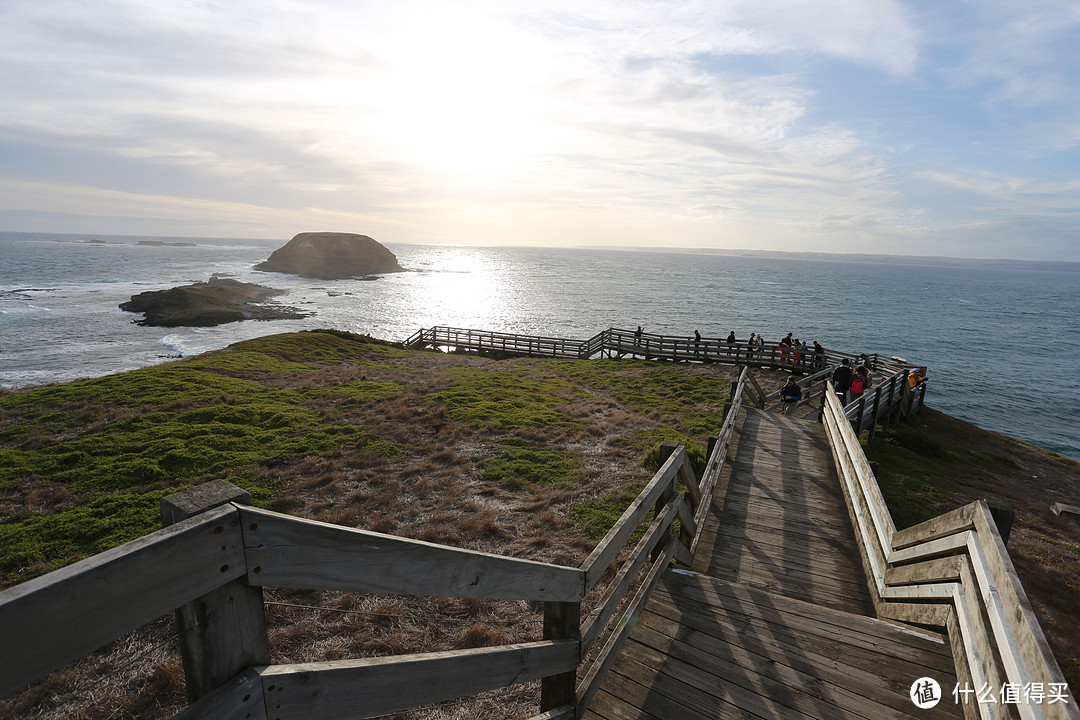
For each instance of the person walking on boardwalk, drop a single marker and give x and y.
(637, 335)
(841, 379)
(697, 343)
(790, 395)
(819, 356)
(860, 382)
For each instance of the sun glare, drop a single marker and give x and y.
(467, 289)
(464, 100)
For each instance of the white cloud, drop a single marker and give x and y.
(727, 123)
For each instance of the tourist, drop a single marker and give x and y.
(860, 383)
(790, 395)
(697, 343)
(841, 379)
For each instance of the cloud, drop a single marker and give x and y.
(733, 123)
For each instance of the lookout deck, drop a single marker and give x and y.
(775, 619)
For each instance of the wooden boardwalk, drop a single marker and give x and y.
(774, 620)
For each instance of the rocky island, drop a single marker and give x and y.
(331, 256)
(214, 302)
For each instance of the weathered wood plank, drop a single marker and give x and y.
(595, 675)
(223, 632)
(239, 698)
(773, 613)
(606, 706)
(292, 552)
(54, 619)
(566, 712)
(1060, 508)
(874, 686)
(914, 613)
(355, 689)
(562, 621)
(701, 694)
(950, 523)
(938, 570)
(628, 573)
(732, 665)
(1026, 635)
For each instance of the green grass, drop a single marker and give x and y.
(514, 398)
(594, 518)
(115, 445)
(517, 463)
(171, 446)
(362, 391)
(99, 454)
(247, 361)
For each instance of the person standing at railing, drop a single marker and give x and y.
(784, 346)
(860, 383)
(819, 356)
(841, 379)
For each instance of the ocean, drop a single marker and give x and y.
(1001, 344)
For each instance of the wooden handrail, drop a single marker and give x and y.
(952, 571)
(59, 617)
(68, 613)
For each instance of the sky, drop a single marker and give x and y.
(867, 126)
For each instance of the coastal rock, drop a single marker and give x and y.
(331, 256)
(214, 302)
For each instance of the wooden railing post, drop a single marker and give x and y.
(874, 416)
(562, 621)
(223, 632)
(859, 414)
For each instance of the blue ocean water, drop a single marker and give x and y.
(1000, 344)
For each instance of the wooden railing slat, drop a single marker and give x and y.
(369, 687)
(608, 548)
(240, 698)
(286, 551)
(59, 617)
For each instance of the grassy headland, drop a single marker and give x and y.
(530, 458)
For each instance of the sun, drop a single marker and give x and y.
(466, 97)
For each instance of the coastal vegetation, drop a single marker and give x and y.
(530, 458)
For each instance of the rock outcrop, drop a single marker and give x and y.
(214, 302)
(331, 256)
